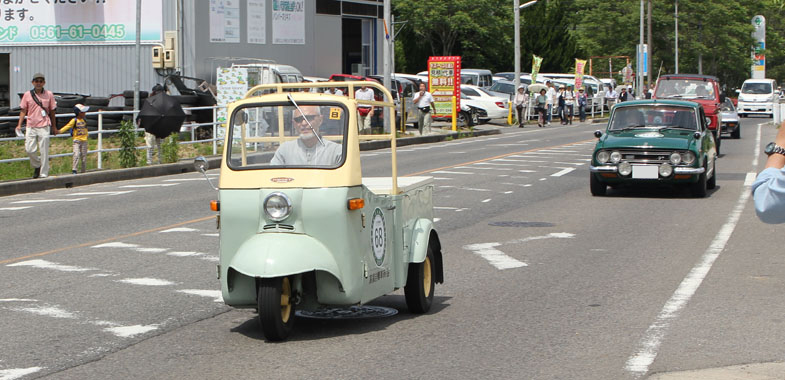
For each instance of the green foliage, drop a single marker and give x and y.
(169, 149)
(128, 158)
(714, 36)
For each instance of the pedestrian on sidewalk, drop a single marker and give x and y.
(150, 140)
(78, 127)
(38, 105)
(624, 96)
(521, 100)
(365, 111)
(551, 94)
(561, 102)
(542, 107)
(610, 97)
(423, 100)
(582, 102)
(569, 103)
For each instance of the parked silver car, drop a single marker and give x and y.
(729, 119)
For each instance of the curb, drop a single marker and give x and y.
(21, 186)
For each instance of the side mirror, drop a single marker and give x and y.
(201, 165)
(240, 117)
(696, 135)
(598, 133)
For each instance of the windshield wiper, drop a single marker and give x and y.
(676, 127)
(631, 127)
(674, 96)
(305, 118)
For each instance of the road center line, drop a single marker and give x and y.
(638, 364)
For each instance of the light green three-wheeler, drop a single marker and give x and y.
(300, 228)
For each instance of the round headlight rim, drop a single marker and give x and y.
(688, 157)
(603, 156)
(286, 200)
(625, 168)
(617, 156)
(669, 170)
(677, 157)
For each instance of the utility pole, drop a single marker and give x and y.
(676, 17)
(517, 10)
(639, 91)
(649, 47)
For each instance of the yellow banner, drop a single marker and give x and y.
(580, 64)
(536, 62)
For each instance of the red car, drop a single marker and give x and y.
(701, 89)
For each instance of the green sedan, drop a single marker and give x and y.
(655, 142)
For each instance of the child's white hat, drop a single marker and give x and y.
(81, 108)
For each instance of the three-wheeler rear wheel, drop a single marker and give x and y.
(275, 301)
(420, 284)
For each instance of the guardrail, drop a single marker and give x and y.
(192, 127)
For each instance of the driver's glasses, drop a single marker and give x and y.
(299, 119)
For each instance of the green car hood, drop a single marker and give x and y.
(664, 139)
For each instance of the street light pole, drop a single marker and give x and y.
(639, 91)
(676, 16)
(517, 9)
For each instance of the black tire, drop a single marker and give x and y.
(463, 119)
(699, 188)
(598, 188)
(63, 110)
(69, 101)
(718, 141)
(14, 111)
(736, 133)
(130, 94)
(420, 284)
(4, 111)
(275, 302)
(96, 101)
(711, 183)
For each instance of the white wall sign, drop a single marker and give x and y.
(76, 22)
(225, 21)
(289, 22)
(255, 23)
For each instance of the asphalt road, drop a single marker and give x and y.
(117, 280)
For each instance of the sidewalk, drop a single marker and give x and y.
(440, 132)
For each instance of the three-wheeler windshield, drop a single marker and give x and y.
(302, 135)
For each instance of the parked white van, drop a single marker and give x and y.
(478, 77)
(757, 96)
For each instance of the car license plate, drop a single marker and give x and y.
(644, 172)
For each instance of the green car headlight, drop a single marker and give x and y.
(625, 168)
(277, 206)
(675, 158)
(665, 170)
(688, 157)
(615, 157)
(603, 157)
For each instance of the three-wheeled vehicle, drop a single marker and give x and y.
(300, 228)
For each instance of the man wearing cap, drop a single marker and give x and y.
(38, 105)
(550, 96)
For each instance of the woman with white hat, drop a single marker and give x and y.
(521, 100)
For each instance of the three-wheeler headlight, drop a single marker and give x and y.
(277, 206)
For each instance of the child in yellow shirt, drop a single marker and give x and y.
(79, 133)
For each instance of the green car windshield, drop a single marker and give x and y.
(653, 117)
(289, 136)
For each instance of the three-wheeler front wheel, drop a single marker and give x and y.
(275, 301)
(420, 284)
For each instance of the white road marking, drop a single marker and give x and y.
(215, 294)
(482, 168)
(150, 185)
(543, 179)
(213, 235)
(146, 281)
(486, 200)
(436, 219)
(17, 373)
(48, 201)
(130, 331)
(494, 256)
(527, 171)
(441, 178)
(570, 163)
(556, 151)
(14, 208)
(116, 244)
(497, 164)
(750, 178)
(151, 250)
(210, 258)
(180, 229)
(186, 179)
(507, 192)
(47, 311)
(449, 172)
(43, 264)
(184, 254)
(17, 300)
(638, 364)
(562, 172)
(101, 193)
(465, 188)
(552, 235)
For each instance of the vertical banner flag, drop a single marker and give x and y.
(444, 82)
(580, 64)
(536, 62)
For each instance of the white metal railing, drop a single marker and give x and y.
(100, 132)
(594, 105)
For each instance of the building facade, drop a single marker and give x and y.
(319, 37)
